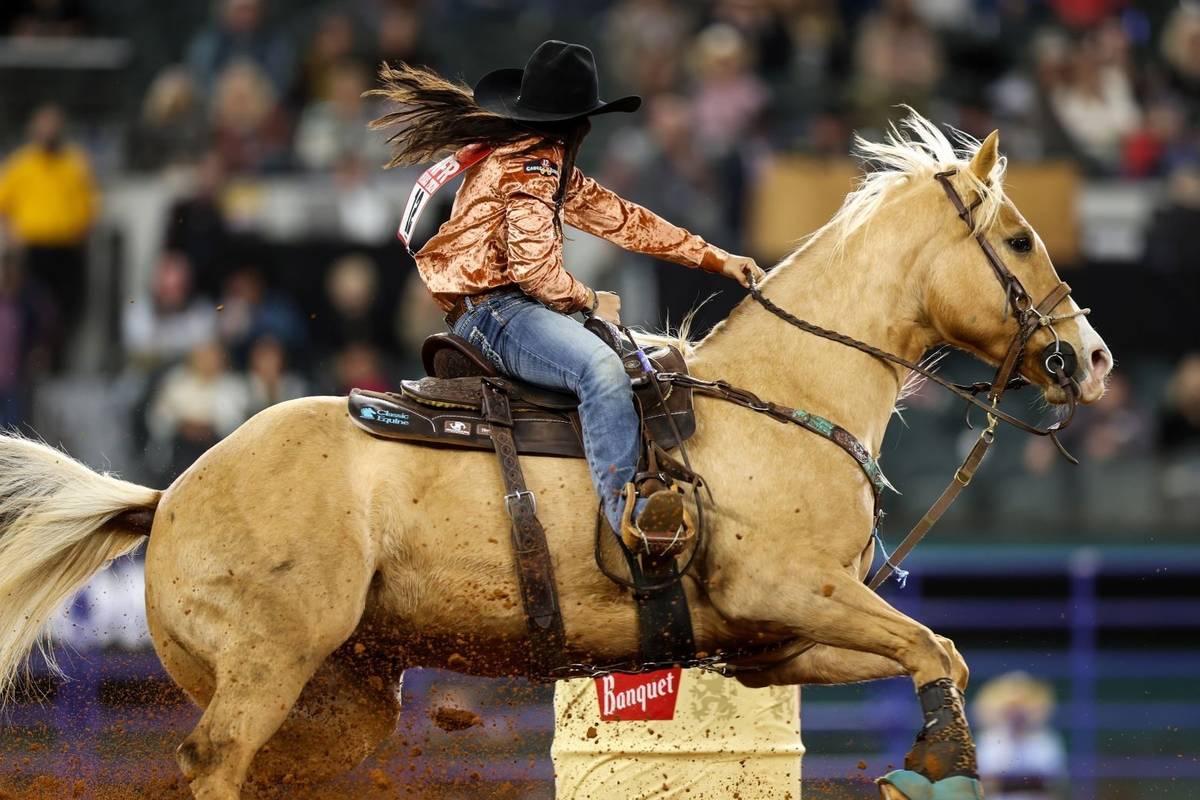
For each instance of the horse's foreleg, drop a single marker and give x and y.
(841, 612)
(822, 664)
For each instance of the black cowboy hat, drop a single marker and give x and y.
(559, 83)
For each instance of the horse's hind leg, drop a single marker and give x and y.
(249, 704)
(346, 709)
(259, 674)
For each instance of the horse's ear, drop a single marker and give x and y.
(985, 159)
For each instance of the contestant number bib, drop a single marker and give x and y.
(433, 179)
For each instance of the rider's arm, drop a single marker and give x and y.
(601, 212)
(535, 256)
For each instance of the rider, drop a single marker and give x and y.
(496, 266)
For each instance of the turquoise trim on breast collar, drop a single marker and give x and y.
(845, 440)
(810, 422)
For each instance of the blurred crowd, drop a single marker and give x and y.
(1021, 755)
(225, 323)
(1113, 84)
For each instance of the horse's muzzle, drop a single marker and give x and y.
(1059, 358)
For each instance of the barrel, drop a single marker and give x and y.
(674, 733)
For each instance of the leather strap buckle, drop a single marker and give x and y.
(520, 496)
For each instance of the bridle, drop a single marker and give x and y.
(1058, 358)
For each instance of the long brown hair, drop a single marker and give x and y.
(438, 116)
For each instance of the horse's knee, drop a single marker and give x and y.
(206, 762)
(960, 673)
(924, 657)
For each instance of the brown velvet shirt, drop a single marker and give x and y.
(502, 231)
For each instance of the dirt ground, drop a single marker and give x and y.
(133, 760)
(117, 742)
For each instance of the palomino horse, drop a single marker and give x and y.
(301, 565)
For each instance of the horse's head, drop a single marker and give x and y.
(971, 303)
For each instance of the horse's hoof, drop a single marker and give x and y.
(904, 784)
(938, 760)
(960, 787)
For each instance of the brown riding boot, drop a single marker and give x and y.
(663, 527)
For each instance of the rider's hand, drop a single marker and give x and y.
(739, 267)
(608, 307)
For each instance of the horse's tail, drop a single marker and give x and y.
(60, 523)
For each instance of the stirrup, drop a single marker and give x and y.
(659, 538)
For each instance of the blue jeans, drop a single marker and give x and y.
(527, 340)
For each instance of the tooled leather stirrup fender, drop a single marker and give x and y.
(535, 572)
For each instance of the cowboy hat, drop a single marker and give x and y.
(559, 83)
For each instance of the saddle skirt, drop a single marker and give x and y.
(445, 408)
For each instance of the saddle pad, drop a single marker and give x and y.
(393, 416)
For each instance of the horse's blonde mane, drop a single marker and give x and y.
(916, 149)
(681, 337)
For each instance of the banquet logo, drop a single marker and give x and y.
(638, 697)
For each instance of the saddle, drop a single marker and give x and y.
(446, 407)
(464, 402)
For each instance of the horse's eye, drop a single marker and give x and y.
(1021, 244)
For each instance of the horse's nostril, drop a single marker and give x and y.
(1101, 362)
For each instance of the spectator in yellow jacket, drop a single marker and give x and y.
(48, 201)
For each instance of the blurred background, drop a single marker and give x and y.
(194, 224)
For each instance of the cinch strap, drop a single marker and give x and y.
(433, 179)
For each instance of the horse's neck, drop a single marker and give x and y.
(862, 294)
